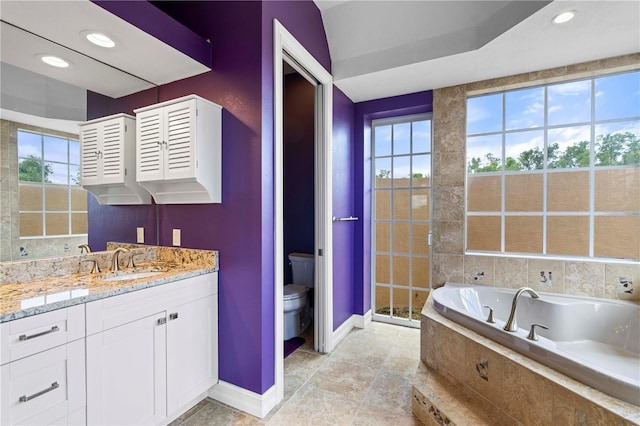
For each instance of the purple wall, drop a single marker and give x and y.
(241, 228)
(365, 112)
(299, 170)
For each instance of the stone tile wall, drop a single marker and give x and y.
(450, 262)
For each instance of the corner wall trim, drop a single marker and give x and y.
(357, 321)
(243, 399)
(362, 321)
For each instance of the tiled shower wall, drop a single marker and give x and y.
(450, 262)
(10, 242)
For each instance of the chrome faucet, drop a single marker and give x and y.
(114, 260)
(84, 247)
(512, 324)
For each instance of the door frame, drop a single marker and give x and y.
(287, 47)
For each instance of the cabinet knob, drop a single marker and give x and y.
(173, 316)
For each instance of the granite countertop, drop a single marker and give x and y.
(24, 298)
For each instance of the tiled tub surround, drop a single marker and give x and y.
(593, 278)
(37, 286)
(500, 386)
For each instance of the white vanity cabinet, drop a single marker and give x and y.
(42, 376)
(179, 150)
(108, 156)
(151, 353)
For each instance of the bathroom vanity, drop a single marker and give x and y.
(135, 346)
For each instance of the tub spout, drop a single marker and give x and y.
(512, 324)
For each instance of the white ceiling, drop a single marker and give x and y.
(56, 27)
(382, 48)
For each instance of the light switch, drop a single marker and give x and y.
(140, 238)
(176, 237)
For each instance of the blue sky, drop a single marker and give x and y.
(397, 137)
(57, 151)
(616, 97)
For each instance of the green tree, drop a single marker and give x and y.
(491, 163)
(512, 165)
(32, 169)
(384, 174)
(532, 159)
(576, 155)
(610, 148)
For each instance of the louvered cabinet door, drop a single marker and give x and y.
(180, 135)
(90, 154)
(150, 146)
(112, 155)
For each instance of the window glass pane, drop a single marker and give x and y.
(483, 233)
(618, 96)
(383, 172)
(31, 170)
(523, 192)
(57, 223)
(383, 269)
(401, 171)
(421, 170)
(383, 205)
(569, 147)
(568, 191)
(401, 237)
(74, 175)
(78, 199)
(524, 150)
(420, 274)
(56, 149)
(79, 223)
(420, 232)
(30, 197)
(74, 152)
(484, 114)
(568, 235)
(400, 271)
(383, 237)
(418, 299)
(30, 224)
(420, 204)
(617, 190)
(618, 143)
(59, 173)
(401, 198)
(382, 140)
(569, 102)
(401, 138)
(401, 302)
(617, 237)
(29, 145)
(484, 154)
(484, 193)
(56, 198)
(421, 136)
(523, 234)
(524, 109)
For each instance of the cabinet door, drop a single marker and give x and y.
(192, 351)
(43, 388)
(180, 135)
(150, 145)
(90, 154)
(126, 373)
(112, 155)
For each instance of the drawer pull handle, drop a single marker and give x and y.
(26, 398)
(25, 337)
(173, 316)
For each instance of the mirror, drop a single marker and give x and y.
(43, 210)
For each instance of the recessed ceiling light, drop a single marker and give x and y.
(564, 17)
(101, 40)
(55, 61)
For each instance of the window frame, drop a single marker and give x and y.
(545, 213)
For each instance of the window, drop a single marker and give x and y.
(401, 223)
(52, 202)
(555, 169)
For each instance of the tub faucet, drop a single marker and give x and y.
(84, 247)
(114, 260)
(512, 324)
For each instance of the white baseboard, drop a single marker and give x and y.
(244, 400)
(359, 321)
(362, 321)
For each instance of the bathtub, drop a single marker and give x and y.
(595, 341)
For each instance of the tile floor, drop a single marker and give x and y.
(365, 381)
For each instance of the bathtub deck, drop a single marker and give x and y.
(437, 401)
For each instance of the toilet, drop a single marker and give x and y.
(297, 312)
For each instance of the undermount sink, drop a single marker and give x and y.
(131, 276)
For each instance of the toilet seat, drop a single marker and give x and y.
(293, 292)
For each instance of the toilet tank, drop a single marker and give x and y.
(302, 268)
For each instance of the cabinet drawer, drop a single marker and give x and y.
(27, 336)
(114, 311)
(44, 388)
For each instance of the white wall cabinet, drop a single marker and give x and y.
(179, 148)
(42, 376)
(153, 353)
(108, 155)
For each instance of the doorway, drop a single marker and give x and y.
(287, 48)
